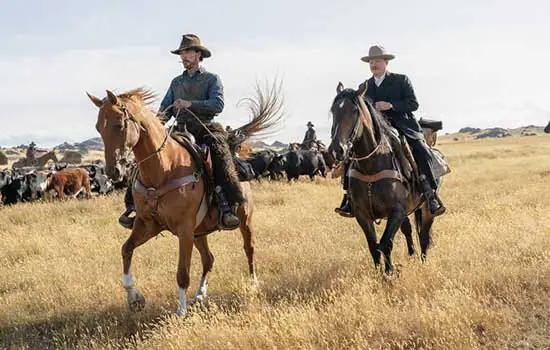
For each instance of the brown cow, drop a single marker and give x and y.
(72, 179)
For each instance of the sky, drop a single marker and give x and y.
(472, 63)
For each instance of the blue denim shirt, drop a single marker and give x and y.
(203, 89)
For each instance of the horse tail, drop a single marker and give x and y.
(266, 109)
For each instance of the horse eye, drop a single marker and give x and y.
(118, 126)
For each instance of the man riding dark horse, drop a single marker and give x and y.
(31, 152)
(392, 95)
(195, 97)
(310, 138)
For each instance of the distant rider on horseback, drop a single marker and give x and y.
(310, 137)
(197, 93)
(393, 96)
(31, 152)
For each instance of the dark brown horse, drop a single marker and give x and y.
(547, 128)
(378, 187)
(170, 193)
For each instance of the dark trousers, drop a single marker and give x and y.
(422, 156)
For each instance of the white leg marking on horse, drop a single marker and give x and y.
(201, 292)
(182, 309)
(127, 280)
(254, 280)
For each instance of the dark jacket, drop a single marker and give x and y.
(310, 137)
(397, 90)
(205, 92)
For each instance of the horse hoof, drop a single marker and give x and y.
(181, 312)
(136, 301)
(199, 299)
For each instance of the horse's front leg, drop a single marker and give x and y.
(140, 234)
(185, 239)
(395, 219)
(370, 234)
(207, 259)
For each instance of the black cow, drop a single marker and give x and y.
(304, 163)
(277, 166)
(267, 163)
(12, 192)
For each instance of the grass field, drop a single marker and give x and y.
(486, 283)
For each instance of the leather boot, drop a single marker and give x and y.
(229, 220)
(345, 207)
(127, 221)
(435, 205)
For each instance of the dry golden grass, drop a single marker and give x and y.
(486, 283)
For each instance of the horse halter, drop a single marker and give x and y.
(127, 118)
(358, 123)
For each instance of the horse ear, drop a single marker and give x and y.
(112, 98)
(95, 100)
(340, 87)
(362, 89)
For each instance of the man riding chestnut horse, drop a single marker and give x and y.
(393, 96)
(195, 97)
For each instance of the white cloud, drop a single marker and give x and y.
(461, 79)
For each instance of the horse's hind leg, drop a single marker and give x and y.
(207, 259)
(139, 235)
(248, 243)
(370, 235)
(395, 220)
(424, 226)
(406, 228)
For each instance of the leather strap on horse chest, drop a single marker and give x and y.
(371, 179)
(368, 178)
(153, 194)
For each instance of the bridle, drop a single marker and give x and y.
(357, 131)
(129, 118)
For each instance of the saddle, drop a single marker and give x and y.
(201, 155)
(405, 163)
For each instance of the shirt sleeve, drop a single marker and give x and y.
(214, 103)
(408, 103)
(167, 101)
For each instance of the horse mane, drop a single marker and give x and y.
(144, 97)
(381, 125)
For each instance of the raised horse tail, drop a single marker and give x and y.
(266, 109)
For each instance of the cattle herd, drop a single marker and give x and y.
(57, 181)
(294, 162)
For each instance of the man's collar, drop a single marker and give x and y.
(200, 70)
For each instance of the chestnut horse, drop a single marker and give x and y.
(377, 187)
(38, 162)
(176, 197)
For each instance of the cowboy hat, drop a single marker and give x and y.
(310, 124)
(191, 41)
(377, 51)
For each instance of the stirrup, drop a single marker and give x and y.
(345, 209)
(233, 219)
(127, 221)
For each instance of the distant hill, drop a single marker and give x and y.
(93, 144)
(279, 144)
(259, 144)
(478, 133)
